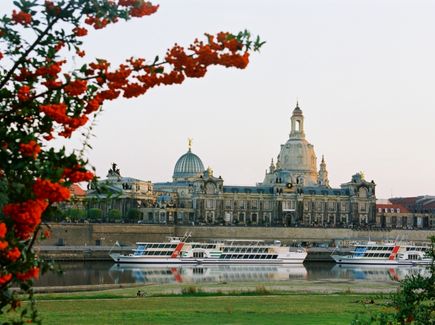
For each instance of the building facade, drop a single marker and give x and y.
(292, 193)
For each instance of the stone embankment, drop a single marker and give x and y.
(94, 241)
(129, 234)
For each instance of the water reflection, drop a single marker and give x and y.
(215, 273)
(91, 273)
(378, 272)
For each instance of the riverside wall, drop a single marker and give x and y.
(129, 234)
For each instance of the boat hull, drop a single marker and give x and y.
(371, 261)
(121, 259)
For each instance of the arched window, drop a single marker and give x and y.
(297, 126)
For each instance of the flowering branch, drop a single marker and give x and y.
(40, 101)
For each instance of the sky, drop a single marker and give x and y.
(363, 72)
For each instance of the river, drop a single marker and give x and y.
(93, 273)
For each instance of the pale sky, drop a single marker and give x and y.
(363, 72)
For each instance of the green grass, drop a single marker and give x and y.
(281, 309)
(194, 306)
(123, 307)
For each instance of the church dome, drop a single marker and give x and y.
(297, 161)
(187, 165)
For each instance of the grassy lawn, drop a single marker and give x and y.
(160, 306)
(279, 309)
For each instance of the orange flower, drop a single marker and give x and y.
(80, 31)
(80, 53)
(26, 216)
(21, 17)
(57, 112)
(93, 105)
(47, 234)
(76, 87)
(23, 93)
(30, 149)
(13, 254)
(3, 244)
(5, 278)
(3, 230)
(144, 9)
(59, 45)
(32, 273)
(77, 174)
(53, 192)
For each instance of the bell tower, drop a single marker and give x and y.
(297, 124)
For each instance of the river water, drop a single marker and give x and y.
(92, 273)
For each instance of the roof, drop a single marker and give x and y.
(76, 190)
(188, 165)
(393, 206)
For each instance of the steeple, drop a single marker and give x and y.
(297, 123)
(189, 142)
(271, 167)
(322, 178)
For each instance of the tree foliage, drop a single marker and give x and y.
(414, 301)
(42, 100)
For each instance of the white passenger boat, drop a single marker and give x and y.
(385, 253)
(179, 251)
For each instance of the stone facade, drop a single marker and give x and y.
(293, 193)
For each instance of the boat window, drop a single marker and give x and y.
(139, 250)
(275, 257)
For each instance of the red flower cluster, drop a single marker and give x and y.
(30, 149)
(96, 22)
(32, 273)
(77, 174)
(21, 17)
(51, 69)
(26, 216)
(3, 230)
(5, 278)
(80, 31)
(51, 8)
(57, 112)
(23, 93)
(13, 254)
(53, 192)
(76, 87)
(143, 9)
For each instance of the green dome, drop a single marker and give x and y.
(188, 165)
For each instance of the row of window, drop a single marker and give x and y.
(251, 257)
(156, 245)
(242, 204)
(417, 249)
(205, 246)
(154, 253)
(392, 210)
(245, 250)
(377, 255)
(381, 248)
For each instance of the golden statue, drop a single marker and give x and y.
(189, 141)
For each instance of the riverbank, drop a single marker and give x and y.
(296, 302)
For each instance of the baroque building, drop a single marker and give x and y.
(292, 193)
